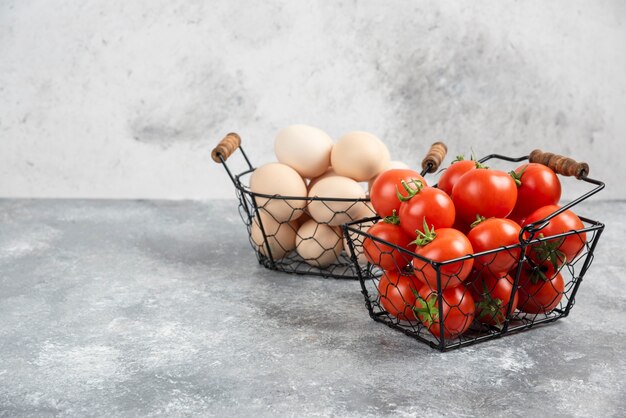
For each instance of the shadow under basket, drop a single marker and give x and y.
(326, 249)
(538, 292)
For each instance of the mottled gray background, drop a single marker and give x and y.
(125, 99)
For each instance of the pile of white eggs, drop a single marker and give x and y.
(311, 165)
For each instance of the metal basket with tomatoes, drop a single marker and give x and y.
(280, 228)
(483, 254)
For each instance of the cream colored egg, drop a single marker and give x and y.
(384, 152)
(281, 180)
(302, 219)
(281, 237)
(362, 211)
(318, 244)
(336, 212)
(328, 173)
(304, 148)
(357, 239)
(390, 166)
(359, 155)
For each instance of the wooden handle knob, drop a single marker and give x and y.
(562, 165)
(226, 147)
(435, 157)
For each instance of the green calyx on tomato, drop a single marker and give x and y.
(517, 177)
(393, 219)
(428, 312)
(537, 276)
(542, 273)
(461, 157)
(479, 219)
(490, 307)
(458, 159)
(411, 191)
(549, 251)
(481, 166)
(426, 237)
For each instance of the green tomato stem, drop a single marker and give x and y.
(411, 191)
(479, 219)
(426, 237)
(393, 219)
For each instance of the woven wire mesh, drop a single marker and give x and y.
(391, 296)
(294, 242)
(275, 228)
(463, 310)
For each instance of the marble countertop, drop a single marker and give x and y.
(159, 308)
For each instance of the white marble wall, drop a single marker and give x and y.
(126, 98)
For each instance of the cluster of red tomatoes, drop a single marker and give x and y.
(472, 210)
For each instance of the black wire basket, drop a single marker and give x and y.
(280, 245)
(449, 318)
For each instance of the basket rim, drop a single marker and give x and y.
(246, 189)
(531, 229)
(595, 226)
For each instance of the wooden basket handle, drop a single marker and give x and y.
(226, 147)
(435, 157)
(562, 165)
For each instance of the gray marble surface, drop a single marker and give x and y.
(157, 308)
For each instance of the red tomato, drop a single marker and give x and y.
(385, 256)
(461, 226)
(383, 194)
(495, 233)
(539, 294)
(397, 295)
(458, 311)
(453, 173)
(484, 192)
(518, 220)
(492, 294)
(442, 245)
(538, 187)
(559, 250)
(429, 205)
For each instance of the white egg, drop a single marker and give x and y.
(359, 155)
(281, 180)
(318, 244)
(304, 148)
(281, 237)
(336, 212)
